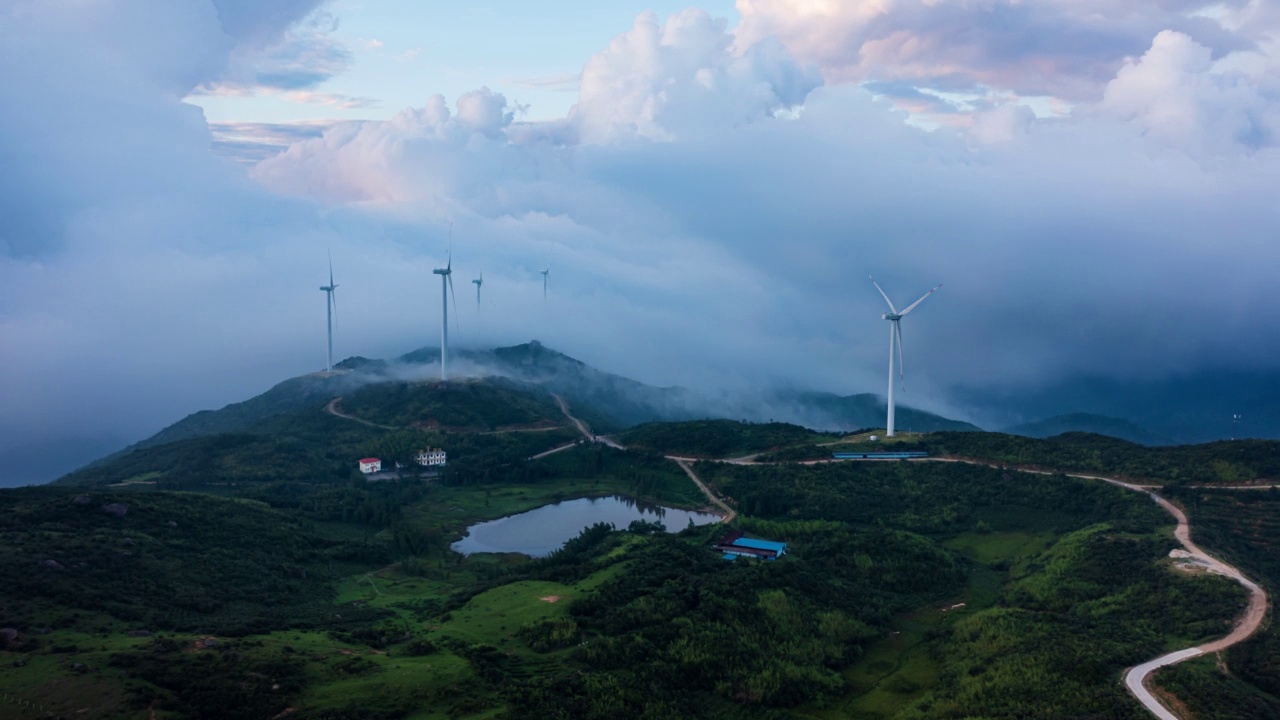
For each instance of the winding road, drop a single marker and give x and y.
(1137, 679)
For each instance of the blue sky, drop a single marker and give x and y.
(403, 51)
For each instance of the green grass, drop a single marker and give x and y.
(494, 616)
(994, 547)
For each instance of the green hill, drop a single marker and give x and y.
(485, 404)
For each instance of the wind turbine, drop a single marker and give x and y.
(446, 289)
(544, 282)
(330, 306)
(895, 337)
(478, 282)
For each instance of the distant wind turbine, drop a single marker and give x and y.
(478, 282)
(544, 282)
(895, 338)
(331, 307)
(446, 289)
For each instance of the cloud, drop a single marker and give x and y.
(304, 56)
(709, 212)
(250, 143)
(569, 82)
(663, 79)
(1064, 48)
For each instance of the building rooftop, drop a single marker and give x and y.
(777, 547)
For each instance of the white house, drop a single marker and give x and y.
(370, 465)
(430, 458)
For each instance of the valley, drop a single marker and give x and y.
(246, 569)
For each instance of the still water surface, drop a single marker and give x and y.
(542, 531)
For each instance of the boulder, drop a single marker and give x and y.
(7, 637)
(81, 500)
(52, 565)
(117, 509)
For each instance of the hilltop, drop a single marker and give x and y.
(607, 402)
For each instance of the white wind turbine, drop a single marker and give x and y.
(446, 289)
(544, 282)
(478, 282)
(895, 338)
(331, 307)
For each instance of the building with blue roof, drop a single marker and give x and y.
(735, 545)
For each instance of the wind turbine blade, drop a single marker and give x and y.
(333, 298)
(883, 295)
(902, 374)
(455, 301)
(330, 268)
(913, 305)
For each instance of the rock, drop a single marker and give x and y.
(52, 565)
(79, 668)
(7, 637)
(19, 663)
(117, 509)
(81, 500)
(172, 524)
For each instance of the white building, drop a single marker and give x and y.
(370, 465)
(430, 458)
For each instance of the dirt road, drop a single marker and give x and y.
(729, 513)
(1137, 679)
(582, 427)
(332, 409)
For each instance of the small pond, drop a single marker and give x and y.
(542, 531)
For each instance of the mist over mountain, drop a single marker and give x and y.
(608, 402)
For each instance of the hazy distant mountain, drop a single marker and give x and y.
(1088, 423)
(1188, 409)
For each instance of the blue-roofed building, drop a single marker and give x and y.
(735, 545)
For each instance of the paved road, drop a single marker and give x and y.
(554, 450)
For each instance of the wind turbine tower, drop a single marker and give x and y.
(544, 282)
(895, 338)
(330, 306)
(446, 287)
(478, 282)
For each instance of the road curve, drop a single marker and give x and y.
(1137, 679)
(332, 409)
(729, 513)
